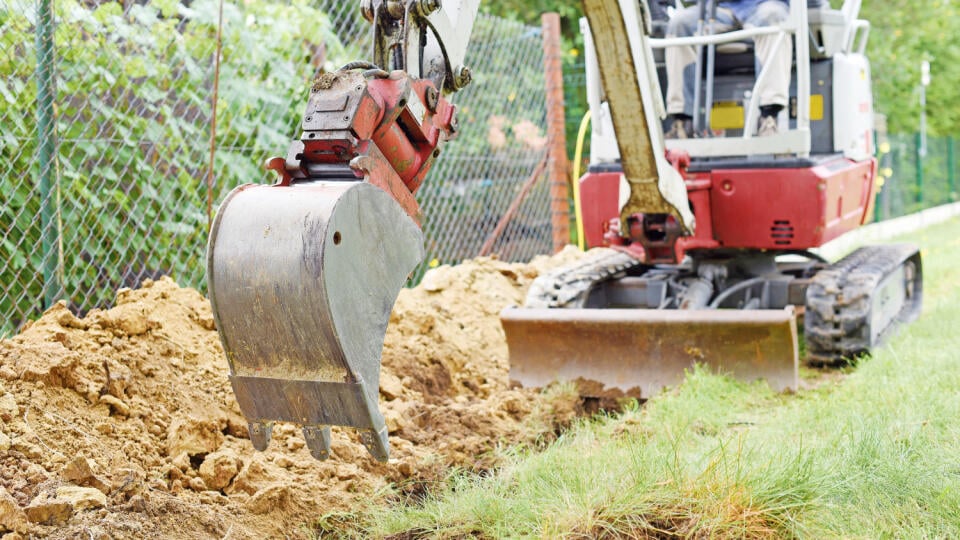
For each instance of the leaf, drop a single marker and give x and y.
(17, 259)
(11, 99)
(168, 8)
(105, 12)
(135, 67)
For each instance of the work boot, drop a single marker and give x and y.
(768, 126)
(681, 128)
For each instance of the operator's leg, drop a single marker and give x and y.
(681, 61)
(775, 91)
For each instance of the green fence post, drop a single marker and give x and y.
(951, 168)
(879, 193)
(47, 155)
(919, 166)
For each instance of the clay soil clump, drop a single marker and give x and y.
(122, 424)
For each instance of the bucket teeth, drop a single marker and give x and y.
(376, 443)
(318, 441)
(260, 433)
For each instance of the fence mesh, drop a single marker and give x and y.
(908, 188)
(105, 123)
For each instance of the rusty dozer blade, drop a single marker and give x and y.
(639, 352)
(302, 280)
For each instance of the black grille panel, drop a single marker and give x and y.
(781, 232)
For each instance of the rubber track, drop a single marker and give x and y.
(567, 286)
(840, 298)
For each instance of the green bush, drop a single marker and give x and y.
(133, 110)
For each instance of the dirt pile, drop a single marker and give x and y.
(122, 424)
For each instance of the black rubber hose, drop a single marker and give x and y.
(728, 292)
(359, 64)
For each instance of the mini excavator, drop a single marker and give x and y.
(705, 245)
(702, 246)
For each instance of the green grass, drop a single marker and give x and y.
(872, 454)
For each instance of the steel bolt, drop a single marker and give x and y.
(428, 6)
(462, 76)
(395, 8)
(366, 9)
(431, 98)
(454, 123)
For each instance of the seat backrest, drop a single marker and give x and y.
(826, 38)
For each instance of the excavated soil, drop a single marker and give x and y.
(122, 424)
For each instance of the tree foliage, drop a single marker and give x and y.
(904, 33)
(529, 11)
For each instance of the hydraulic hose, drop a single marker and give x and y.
(577, 157)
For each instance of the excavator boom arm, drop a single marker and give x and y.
(619, 33)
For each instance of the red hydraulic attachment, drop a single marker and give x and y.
(388, 127)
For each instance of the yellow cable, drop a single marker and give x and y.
(577, 156)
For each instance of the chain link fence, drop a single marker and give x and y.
(907, 188)
(106, 112)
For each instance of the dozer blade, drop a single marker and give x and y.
(639, 352)
(302, 280)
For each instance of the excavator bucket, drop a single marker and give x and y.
(639, 352)
(302, 280)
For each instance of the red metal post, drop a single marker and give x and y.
(556, 131)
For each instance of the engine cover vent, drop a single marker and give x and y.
(781, 232)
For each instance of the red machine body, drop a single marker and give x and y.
(740, 208)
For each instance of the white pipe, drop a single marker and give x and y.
(751, 120)
(850, 10)
(725, 37)
(799, 9)
(851, 43)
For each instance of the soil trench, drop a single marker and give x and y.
(123, 424)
